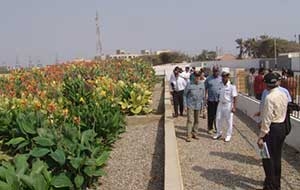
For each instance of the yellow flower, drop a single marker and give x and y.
(81, 100)
(103, 93)
(65, 112)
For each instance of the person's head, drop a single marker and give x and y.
(290, 73)
(278, 78)
(202, 76)
(225, 77)
(197, 77)
(261, 71)
(270, 70)
(215, 71)
(187, 69)
(252, 70)
(180, 70)
(271, 80)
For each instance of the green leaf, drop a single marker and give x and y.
(136, 110)
(2, 173)
(23, 144)
(93, 171)
(61, 181)
(37, 167)
(15, 141)
(21, 164)
(4, 186)
(43, 141)
(26, 123)
(76, 162)
(40, 182)
(59, 156)
(39, 152)
(79, 181)
(28, 181)
(102, 159)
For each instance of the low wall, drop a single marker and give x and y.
(250, 106)
(173, 178)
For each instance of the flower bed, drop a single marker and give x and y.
(57, 123)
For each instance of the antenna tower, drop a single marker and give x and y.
(98, 40)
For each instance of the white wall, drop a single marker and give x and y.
(248, 63)
(296, 63)
(249, 106)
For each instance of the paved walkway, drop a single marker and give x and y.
(214, 164)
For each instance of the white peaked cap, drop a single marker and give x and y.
(225, 70)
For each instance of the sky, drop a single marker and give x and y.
(43, 31)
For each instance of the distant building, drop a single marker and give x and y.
(145, 52)
(123, 56)
(162, 51)
(120, 51)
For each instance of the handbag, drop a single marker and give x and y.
(290, 108)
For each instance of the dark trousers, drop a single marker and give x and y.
(258, 96)
(211, 114)
(178, 101)
(272, 166)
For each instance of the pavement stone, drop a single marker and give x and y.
(215, 164)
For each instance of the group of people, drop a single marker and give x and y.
(256, 85)
(195, 93)
(217, 92)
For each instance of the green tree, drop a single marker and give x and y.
(206, 55)
(264, 47)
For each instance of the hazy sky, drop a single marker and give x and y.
(42, 29)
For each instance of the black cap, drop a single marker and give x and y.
(278, 76)
(271, 79)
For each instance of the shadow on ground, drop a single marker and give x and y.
(157, 171)
(237, 157)
(228, 179)
(181, 132)
(289, 154)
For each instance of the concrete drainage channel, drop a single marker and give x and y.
(172, 178)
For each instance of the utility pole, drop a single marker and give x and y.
(98, 38)
(275, 53)
(56, 58)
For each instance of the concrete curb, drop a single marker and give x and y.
(173, 178)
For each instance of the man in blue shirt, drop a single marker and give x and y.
(193, 96)
(213, 85)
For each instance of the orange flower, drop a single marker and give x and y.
(51, 107)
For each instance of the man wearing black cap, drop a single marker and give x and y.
(272, 131)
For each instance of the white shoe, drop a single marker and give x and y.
(227, 139)
(217, 136)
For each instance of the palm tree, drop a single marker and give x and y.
(240, 46)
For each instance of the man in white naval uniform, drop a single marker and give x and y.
(226, 106)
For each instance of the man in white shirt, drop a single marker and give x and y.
(226, 107)
(178, 85)
(186, 74)
(273, 131)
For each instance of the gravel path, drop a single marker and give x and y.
(214, 164)
(137, 159)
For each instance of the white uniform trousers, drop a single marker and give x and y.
(224, 115)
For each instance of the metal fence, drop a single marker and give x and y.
(292, 84)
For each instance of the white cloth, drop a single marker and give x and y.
(227, 92)
(224, 115)
(179, 83)
(186, 76)
(274, 110)
(224, 110)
